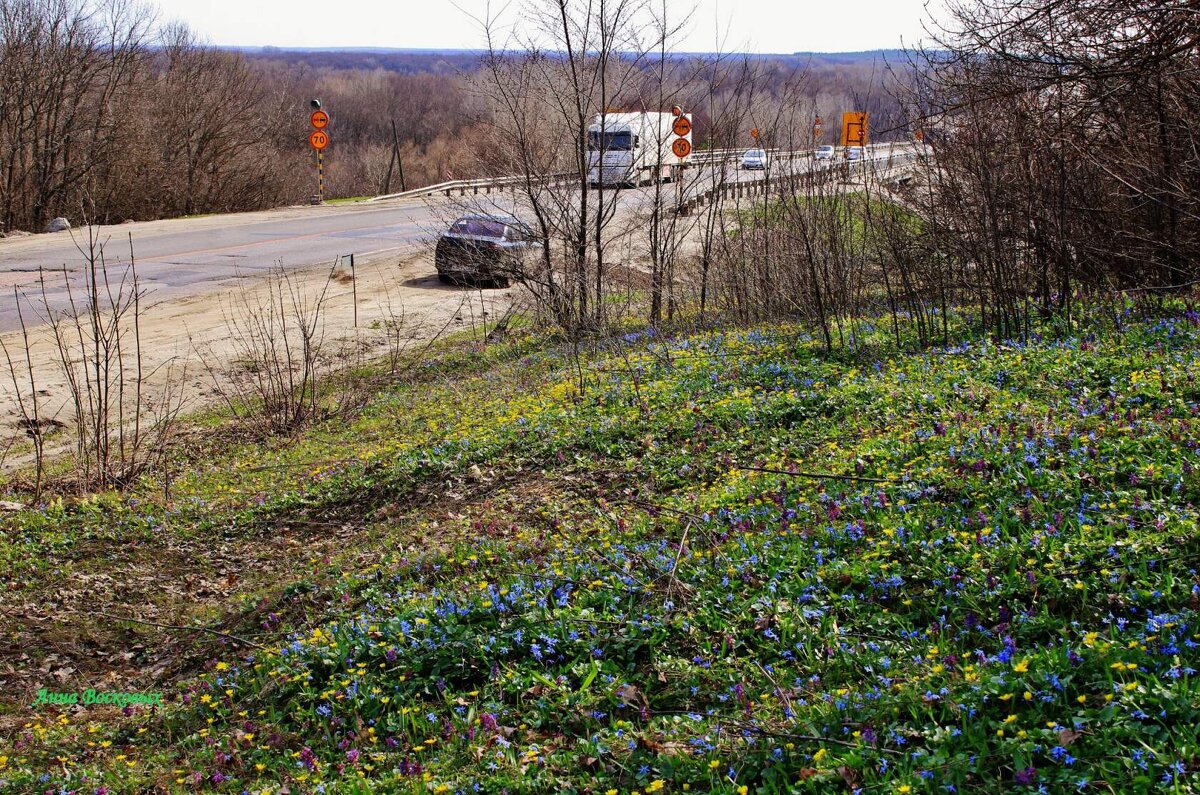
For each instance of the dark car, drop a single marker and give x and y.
(487, 250)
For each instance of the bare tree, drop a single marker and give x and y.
(1065, 156)
(578, 57)
(64, 65)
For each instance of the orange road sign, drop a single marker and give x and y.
(754, 133)
(854, 129)
(319, 119)
(682, 126)
(682, 147)
(319, 140)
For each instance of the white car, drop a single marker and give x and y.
(756, 159)
(823, 153)
(854, 153)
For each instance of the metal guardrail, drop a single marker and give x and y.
(475, 186)
(709, 156)
(487, 185)
(749, 188)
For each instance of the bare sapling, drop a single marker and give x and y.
(27, 402)
(121, 426)
(285, 372)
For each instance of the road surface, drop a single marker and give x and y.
(187, 257)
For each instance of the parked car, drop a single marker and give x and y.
(756, 159)
(854, 153)
(485, 249)
(823, 153)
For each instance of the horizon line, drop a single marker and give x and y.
(477, 50)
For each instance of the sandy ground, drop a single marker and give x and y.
(185, 341)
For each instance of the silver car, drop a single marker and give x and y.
(485, 250)
(756, 159)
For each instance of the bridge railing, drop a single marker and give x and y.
(886, 161)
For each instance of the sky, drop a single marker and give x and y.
(762, 26)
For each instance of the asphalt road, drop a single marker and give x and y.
(190, 256)
(186, 256)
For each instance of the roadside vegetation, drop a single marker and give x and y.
(725, 561)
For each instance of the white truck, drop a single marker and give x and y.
(634, 148)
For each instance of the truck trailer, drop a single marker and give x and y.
(633, 148)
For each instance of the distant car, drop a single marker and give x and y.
(854, 153)
(823, 153)
(485, 250)
(756, 159)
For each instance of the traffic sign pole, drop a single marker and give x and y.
(681, 147)
(320, 176)
(318, 140)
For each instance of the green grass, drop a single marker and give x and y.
(847, 212)
(980, 571)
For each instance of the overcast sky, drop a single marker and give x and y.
(764, 26)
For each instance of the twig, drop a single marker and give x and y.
(186, 629)
(812, 738)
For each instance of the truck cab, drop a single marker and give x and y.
(631, 149)
(612, 155)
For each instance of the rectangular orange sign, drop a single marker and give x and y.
(854, 129)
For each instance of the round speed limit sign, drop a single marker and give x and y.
(319, 139)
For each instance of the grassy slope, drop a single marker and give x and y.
(583, 591)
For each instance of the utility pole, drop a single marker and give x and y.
(399, 160)
(394, 160)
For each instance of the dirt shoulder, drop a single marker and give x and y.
(398, 295)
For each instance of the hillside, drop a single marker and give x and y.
(719, 562)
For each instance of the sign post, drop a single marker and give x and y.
(681, 147)
(854, 129)
(318, 140)
(354, 286)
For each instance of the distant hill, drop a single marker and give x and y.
(412, 61)
(854, 57)
(370, 58)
